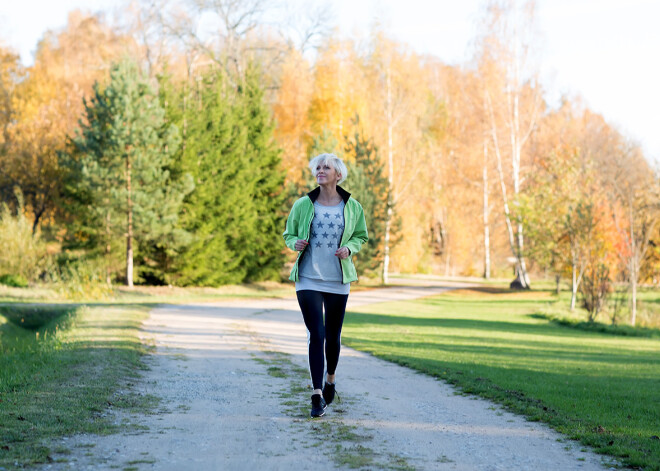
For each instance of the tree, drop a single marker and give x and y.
(368, 183)
(265, 257)
(121, 155)
(235, 212)
(636, 189)
(513, 101)
(47, 105)
(398, 118)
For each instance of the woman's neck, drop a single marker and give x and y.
(329, 195)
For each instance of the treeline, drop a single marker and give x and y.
(187, 149)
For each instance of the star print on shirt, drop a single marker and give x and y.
(313, 234)
(335, 236)
(340, 227)
(320, 226)
(338, 216)
(325, 235)
(330, 244)
(318, 244)
(331, 225)
(326, 215)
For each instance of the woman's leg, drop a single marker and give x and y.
(311, 305)
(335, 308)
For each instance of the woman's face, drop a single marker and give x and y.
(326, 173)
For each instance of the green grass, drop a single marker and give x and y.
(599, 388)
(151, 294)
(61, 369)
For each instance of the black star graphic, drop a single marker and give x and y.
(330, 244)
(318, 244)
(325, 235)
(331, 225)
(326, 215)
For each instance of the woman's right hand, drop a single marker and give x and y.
(301, 244)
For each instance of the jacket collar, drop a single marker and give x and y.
(314, 194)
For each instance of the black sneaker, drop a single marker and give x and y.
(329, 392)
(318, 406)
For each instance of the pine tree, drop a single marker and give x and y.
(369, 185)
(265, 257)
(121, 155)
(235, 210)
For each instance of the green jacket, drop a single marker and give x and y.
(355, 230)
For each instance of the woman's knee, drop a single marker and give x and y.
(317, 335)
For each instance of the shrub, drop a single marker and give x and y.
(16, 281)
(22, 252)
(78, 280)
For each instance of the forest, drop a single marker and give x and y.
(149, 150)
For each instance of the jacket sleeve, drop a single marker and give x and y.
(291, 231)
(360, 235)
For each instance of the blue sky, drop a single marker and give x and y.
(603, 50)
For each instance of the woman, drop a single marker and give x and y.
(326, 227)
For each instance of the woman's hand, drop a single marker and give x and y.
(301, 244)
(342, 252)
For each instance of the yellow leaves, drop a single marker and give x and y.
(290, 112)
(340, 89)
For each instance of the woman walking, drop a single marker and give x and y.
(326, 227)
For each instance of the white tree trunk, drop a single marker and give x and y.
(390, 179)
(634, 268)
(486, 215)
(129, 230)
(574, 285)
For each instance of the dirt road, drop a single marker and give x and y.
(235, 390)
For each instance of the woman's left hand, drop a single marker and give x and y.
(342, 252)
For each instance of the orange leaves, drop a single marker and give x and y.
(291, 113)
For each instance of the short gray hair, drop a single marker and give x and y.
(330, 159)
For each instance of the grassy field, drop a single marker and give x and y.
(63, 365)
(598, 388)
(61, 369)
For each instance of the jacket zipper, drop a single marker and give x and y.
(341, 268)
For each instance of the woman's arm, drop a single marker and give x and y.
(360, 235)
(291, 231)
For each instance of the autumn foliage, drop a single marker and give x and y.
(477, 173)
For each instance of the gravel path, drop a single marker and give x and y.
(235, 392)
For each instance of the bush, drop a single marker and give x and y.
(78, 280)
(22, 253)
(15, 281)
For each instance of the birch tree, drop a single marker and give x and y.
(513, 101)
(637, 191)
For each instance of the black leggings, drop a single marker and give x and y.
(320, 333)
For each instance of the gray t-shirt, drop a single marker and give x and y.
(319, 261)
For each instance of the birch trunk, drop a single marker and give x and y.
(573, 285)
(634, 272)
(107, 249)
(129, 231)
(390, 179)
(486, 215)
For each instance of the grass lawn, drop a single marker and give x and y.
(61, 368)
(598, 388)
(63, 364)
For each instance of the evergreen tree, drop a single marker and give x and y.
(368, 184)
(264, 256)
(235, 210)
(121, 156)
